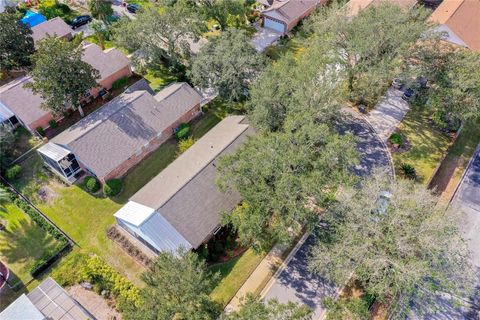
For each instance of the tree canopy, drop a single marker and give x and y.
(370, 47)
(454, 78)
(283, 177)
(7, 138)
(223, 11)
(395, 239)
(60, 76)
(177, 287)
(16, 43)
(160, 35)
(100, 9)
(254, 308)
(228, 63)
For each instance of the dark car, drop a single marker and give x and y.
(80, 21)
(133, 7)
(408, 94)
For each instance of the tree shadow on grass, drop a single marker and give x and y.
(23, 243)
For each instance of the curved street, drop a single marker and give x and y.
(293, 282)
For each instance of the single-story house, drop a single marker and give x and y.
(47, 301)
(111, 140)
(20, 106)
(181, 206)
(353, 7)
(460, 21)
(283, 15)
(55, 27)
(111, 63)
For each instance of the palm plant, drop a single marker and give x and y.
(4, 199)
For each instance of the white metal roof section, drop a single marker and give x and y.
(22, 308)
(134, 213)
(54, 151)
(5, 113)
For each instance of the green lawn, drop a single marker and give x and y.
(107, 43)
(233, 275)
(158, 79)
(429, 144)
(22, 243)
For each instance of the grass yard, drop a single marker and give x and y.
(158, 79)
(85, 218)
(429, 144)
(452, 167)
(294, 45)
(107, 43)
(22, 243)
(233, 275)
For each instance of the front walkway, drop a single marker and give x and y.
(388, 113)
(259, 277)
(264, 38)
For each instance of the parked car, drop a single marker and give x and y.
(80, 21)
(408, 94)
(133, 7)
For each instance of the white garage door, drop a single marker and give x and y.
(277, 26)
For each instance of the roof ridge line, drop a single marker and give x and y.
(203, 167)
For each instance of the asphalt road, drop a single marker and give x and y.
(294, 282)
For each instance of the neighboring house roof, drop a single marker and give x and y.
(121, 128)
(47, 301)
(288, 11)
(353, 7)
(22, 308)
(106, 62)
(55, 27)
(22, 101)
(185, 193)
(462, 17)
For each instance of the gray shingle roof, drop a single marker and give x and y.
(106, 62)
(289, 10)
(55, 27)
(21, 101)
(185, 193)
(106, 138)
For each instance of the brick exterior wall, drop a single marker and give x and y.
(292, 24)
(152, 146)
(41, 122)
(107, 82)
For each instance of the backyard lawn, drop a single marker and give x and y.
(22, 243)
(233, 275)
(429, 144)
(159, 78)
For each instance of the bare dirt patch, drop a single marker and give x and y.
(99, 307)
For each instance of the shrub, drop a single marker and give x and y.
(112, 187)
(92, 184)
(184, 144)
(51, 9)
(183, 131)
(41, 131)
(70, 270)
(13, 172)
(120, 83)
(100, 274)
(396, 138)
(409, 171)
(53, 123)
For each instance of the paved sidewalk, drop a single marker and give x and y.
(388, 113)
(264, 38)
(259, 277)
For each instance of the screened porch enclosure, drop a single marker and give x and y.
(61, 161)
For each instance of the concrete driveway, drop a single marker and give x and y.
(86, 29)
(264, 38)
(293, 282)
(388, 113)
